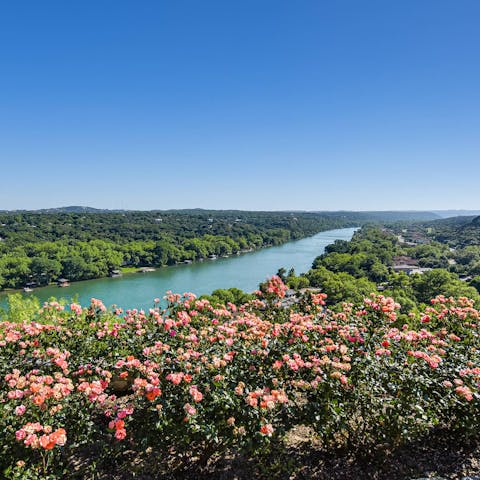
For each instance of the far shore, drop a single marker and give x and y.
(143, 270)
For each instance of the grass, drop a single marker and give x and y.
(129, 269)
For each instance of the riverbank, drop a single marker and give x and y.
(244, 271)
(226, 250)
(126, 271)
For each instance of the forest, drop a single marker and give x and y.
(38, 248)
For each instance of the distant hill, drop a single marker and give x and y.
(457, 231)
(373, 216)
(454, 221)
(386, 216)
(456, 213)
(472, 225)
(76, 209)
(469, 233)
(69, 209)
(366, 216)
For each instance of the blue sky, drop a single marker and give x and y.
(251, 104)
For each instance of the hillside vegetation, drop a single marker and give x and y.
(348, 271)
(39, 248)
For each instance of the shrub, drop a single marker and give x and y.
(82, 386)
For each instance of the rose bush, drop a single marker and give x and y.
(82, 386)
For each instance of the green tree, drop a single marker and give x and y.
(21, 308)
(43, 269)
(476, 283)
(15, 270)
(440, 282)
(74, 268)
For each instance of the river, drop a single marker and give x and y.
(245, 271)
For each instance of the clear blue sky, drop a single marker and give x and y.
(249, 104)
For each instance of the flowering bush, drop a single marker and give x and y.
(194, 379)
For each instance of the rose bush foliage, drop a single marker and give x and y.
(83, 385)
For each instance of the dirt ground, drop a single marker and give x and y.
(437, 457)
